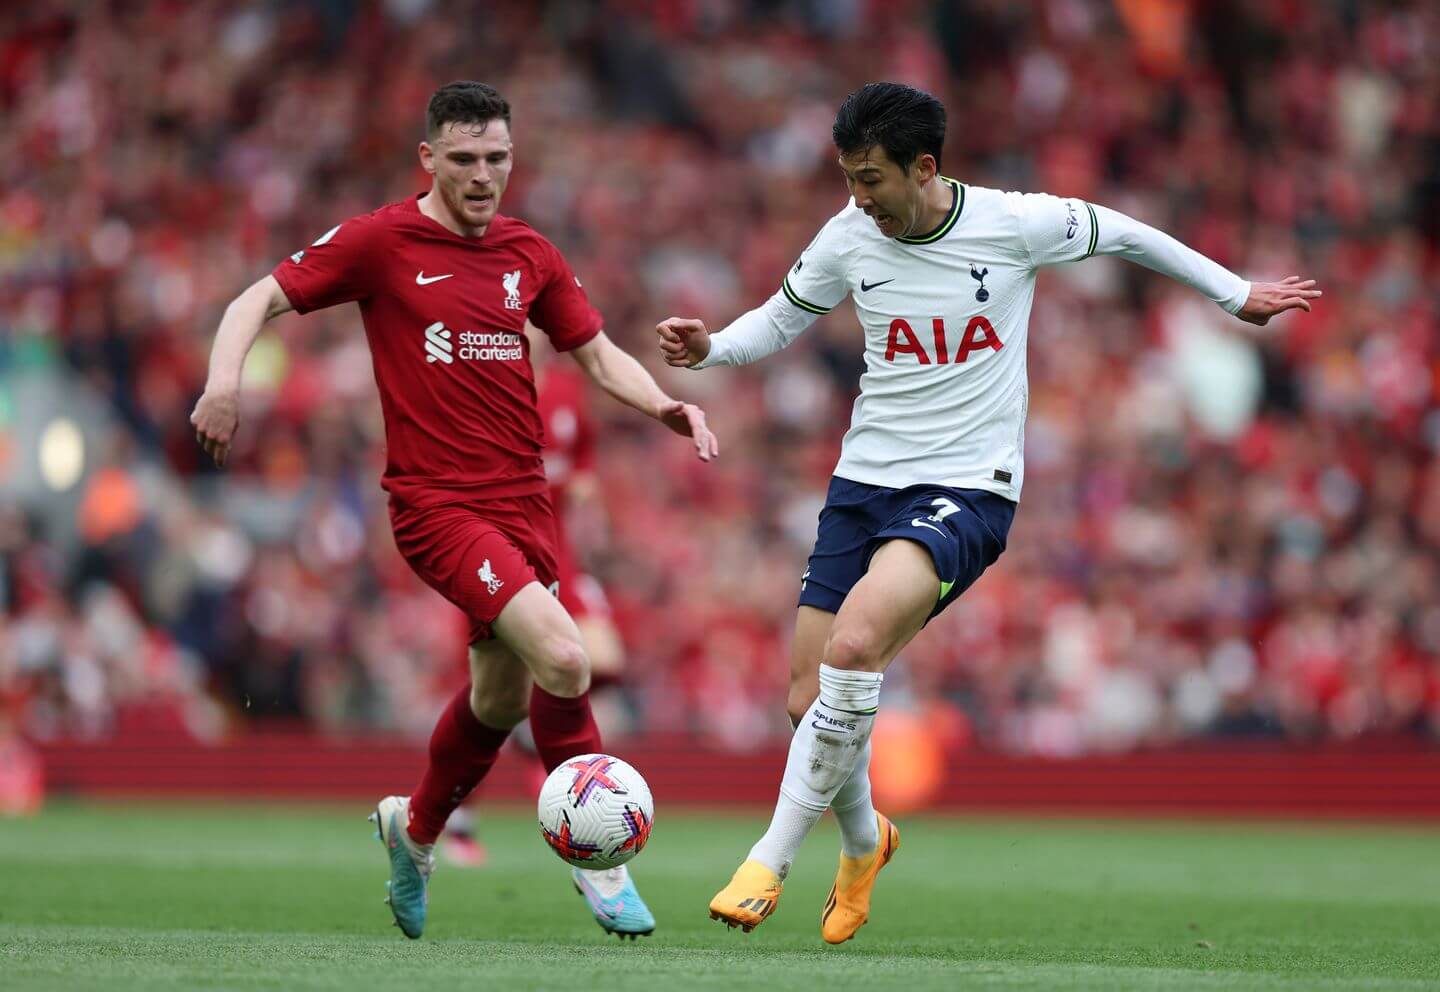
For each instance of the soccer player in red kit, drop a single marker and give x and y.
(445, 285)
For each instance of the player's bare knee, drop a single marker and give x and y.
(563, 668)
(856, 647)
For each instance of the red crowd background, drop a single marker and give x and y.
(1227, 532)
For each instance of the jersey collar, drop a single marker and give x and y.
(957, 204)
(437, 227)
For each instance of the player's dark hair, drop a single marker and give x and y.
(465, 102)
(904, 121)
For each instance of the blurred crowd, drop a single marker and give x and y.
(1225, 530)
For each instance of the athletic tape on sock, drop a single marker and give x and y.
(850, 691)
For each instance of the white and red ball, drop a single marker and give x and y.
(596, 811)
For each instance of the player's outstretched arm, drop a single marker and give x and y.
(1118, 234)
(217, 415)
(686, 344)
(626, 379)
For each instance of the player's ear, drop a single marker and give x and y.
(427, 157)
(926, 168)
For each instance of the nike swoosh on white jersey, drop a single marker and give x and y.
(421, 279)
(922, 523)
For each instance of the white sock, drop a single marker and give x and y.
(853, 809)
(607, 881)
(859, 832)
(823, 753)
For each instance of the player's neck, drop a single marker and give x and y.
(937, 199)
(432, 205)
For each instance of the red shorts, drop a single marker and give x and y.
(479, 555)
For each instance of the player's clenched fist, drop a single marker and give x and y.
(215, 418)
(683, 341)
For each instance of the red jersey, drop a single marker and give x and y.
(445, 319)
(569, 434)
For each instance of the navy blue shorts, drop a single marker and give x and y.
(963, 529)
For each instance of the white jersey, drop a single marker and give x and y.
(946, 316)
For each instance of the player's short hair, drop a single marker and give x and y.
(465, 102)
(904, 121)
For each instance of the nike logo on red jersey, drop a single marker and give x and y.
(421, 279)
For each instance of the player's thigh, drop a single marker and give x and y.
(807, 650)
(537, 629)
(499, 684)
(886, 608)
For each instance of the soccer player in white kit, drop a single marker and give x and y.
(943, 276)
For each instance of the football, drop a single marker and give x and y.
(595, 811)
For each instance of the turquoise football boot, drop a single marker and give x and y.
(615, 902)
(410, 865)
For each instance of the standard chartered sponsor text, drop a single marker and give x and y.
(472, 346)
(490, 346)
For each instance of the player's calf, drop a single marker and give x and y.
(798, 704)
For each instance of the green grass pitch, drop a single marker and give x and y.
(268, 897)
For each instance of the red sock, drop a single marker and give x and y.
(462, 749)
(563, 727)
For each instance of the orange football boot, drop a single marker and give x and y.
(848, 905)
(750, 897)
